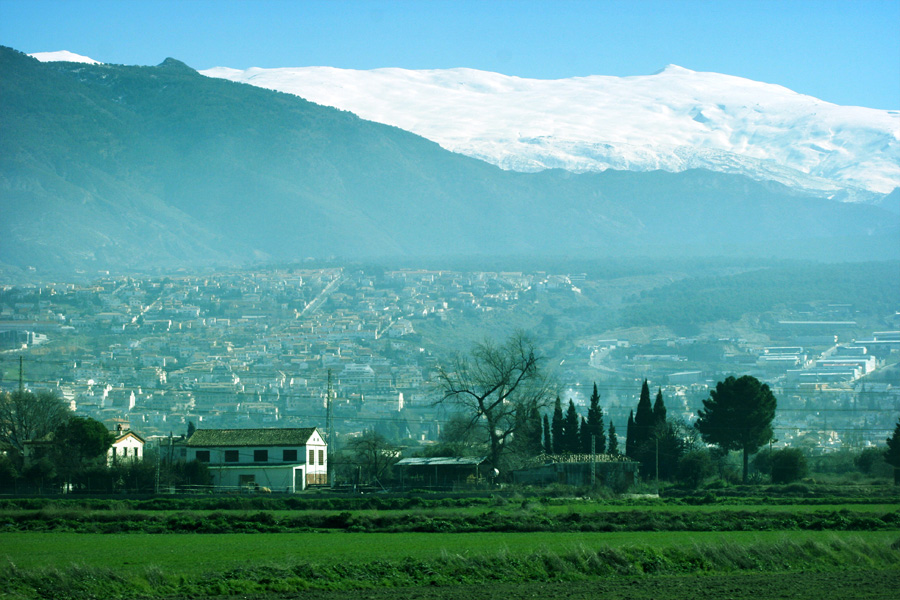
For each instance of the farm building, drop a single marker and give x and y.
(281, 460)
(577, 470)
(443, 472)
(126, 446)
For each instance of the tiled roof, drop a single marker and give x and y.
(121, 435)
(251, 437)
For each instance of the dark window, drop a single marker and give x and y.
(231, 456)
(321, 457)
(289, 456)
(312, 457)
(202, 455)
(260, 456)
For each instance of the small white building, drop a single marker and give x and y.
(280, 460)
(127, 446)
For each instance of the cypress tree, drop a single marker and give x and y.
(643, 418)
(528, 438)
(613, 440)
(892, 454)
(629, 436)
(659, 410)
(535, 438)
(584, 437)
(556, 427)
(570, 430)
(548, 439)
(594, 425)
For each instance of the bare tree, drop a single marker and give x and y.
(373, 455)
(457, 439)
(26, 416)
(492, 385)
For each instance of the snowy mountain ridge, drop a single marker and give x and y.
(63, 56)
(675, 119)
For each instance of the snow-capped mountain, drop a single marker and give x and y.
(63, 56)
(673, 120)
(151, 166)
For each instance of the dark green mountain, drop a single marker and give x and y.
(115, 167)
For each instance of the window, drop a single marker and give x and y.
(260, 456)
(321, 457)
(289, 456)
(231, 456)
(203, 456)
(312, 457)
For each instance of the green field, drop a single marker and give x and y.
(196, 554)
(522, 548)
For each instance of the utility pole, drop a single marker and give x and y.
(329, 427)
(657, 466)
(21, 375)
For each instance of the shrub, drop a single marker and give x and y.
(694, 467)
(788, 465)
(871, 462)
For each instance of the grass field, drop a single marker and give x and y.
(111, 550)
(76, 566)
(196, 554)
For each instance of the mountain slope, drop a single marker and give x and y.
(114, 167)
(674, 120)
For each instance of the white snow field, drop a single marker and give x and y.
(675, 119)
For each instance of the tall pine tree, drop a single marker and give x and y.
(548, 438)
(594, 426)
(556, 427)
(535, 431)
(570, 430)
(528, 439)
(584, 438)
(643, 418)
(659, 410)
(630, 446)
(613, 441)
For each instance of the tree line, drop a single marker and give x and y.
(502, 397)
(45, 448)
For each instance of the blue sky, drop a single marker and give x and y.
(842, 51)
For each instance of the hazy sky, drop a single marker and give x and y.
(842, 51)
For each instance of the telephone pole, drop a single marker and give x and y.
(657, 466)
(329, 427)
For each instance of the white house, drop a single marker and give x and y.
(127, 446)
(277, 459)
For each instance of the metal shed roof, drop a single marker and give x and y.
(456, 461)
